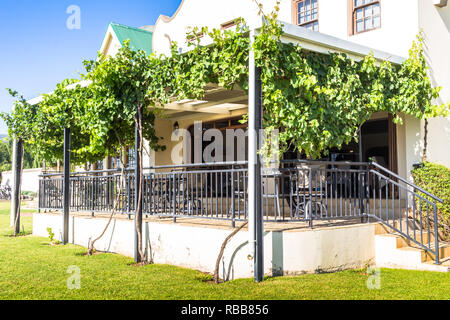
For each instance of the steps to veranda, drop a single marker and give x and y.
(395, 251)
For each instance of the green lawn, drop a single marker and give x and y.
(31, 269)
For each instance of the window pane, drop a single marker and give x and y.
(314, 14)
(308, 4)
(368, 11)
(376, 22)
(359, 14)
(368, 23)
(308, 17)
(314, 3)
(300, 7)
(359, 25)
(316, 26)
(376, 9)
(313, 26)
(358, 3)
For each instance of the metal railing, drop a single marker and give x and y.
(298, 190)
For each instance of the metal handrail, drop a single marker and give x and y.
(396, 176)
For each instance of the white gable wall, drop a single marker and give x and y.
(399, 21)
(207, 13)
(111, 44)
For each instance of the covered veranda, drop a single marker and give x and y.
(237, 190)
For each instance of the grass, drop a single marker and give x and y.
(31, 269)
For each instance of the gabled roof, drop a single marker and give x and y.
(139, 39)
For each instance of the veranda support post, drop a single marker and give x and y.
(15, 196)
(66, 191)
(13, 187)
(255, 216)
(137, 184)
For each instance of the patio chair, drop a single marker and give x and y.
(271, 190)
(307, 191)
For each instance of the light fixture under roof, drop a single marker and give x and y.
(440, 3)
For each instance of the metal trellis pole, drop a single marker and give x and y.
(66, 191)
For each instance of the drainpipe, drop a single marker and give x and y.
(255, 217)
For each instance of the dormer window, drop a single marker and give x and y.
(306, 14)
(366, 15)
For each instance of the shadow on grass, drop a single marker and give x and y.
(20, 235)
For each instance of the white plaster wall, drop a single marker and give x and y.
(435, 23)
(211, 14)
(395, 35)
(399, 25)
(197, 247)
(413, 144)
(30, 179)
(111, 44)
(439, 141)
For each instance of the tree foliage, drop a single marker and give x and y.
(435, 178)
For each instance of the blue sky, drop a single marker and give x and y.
(38, 50)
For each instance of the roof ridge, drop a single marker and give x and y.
(128, 27)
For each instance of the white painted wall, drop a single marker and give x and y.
(208, 13)
(111, 44)
(399, 25)
(435, 23)
(197, 247)
(30, 179)
(395, 35)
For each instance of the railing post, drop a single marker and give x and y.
(436, 234)
(233, 213)
(92, 195)
(174, 198)
(361, 197)
(39, 195)
(311, 223)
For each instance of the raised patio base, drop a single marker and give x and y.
(289, 248)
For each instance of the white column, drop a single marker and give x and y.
(255, 216)
(252, 150)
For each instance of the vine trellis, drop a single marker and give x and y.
(317, 101)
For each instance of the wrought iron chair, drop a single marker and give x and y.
(307, 191)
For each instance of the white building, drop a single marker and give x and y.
(355, 27)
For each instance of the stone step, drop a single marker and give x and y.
(392, 250)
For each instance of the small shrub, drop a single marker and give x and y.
(435, 179)
(29, 193)
(51, 237)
